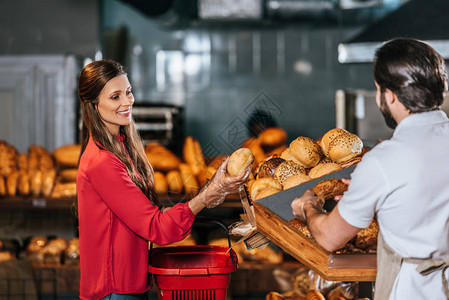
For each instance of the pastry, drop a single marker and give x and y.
(329, 188)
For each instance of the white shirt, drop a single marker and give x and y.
(405, 182)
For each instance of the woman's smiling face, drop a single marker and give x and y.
(115, 103)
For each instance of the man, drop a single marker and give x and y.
(403, 182)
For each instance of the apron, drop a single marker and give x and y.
(389, 264)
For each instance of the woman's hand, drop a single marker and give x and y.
(222, 184)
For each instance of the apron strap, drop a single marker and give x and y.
(389, 264)
(428, 266)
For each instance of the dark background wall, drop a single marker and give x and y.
(219, 73)
(222, 73)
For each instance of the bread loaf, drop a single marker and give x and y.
(205, 174)
(264, 187)
(274, 296)
(345, 147)
(8, 159)
(22, 162)
(160, 183)
(36, 183)
(174, 181)
(295, 180)
(67, 155)
(323, 169)
(23, 184)
(193, 154)
(161, 158)
(68, 175)
(286, 169)
(48, 181)
(367, 237)
(11, 183)
(2, 186)
(314, 295)
(239, 161)
(253, 144)
(268, 167)
(329, 188)
(300, 226)
(188, 179)
(277, 151)
(306, 151)
(273, 137)
(61, 190)
(329, 136)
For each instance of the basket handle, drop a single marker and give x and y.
(205, 220)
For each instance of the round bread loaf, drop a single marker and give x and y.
(264, 183)
(286, 169)
(329, 136)
(322, 169)
(268, 191)
(239, 161)
(67, 155)
(295, 180)
(345, 147)
(273, 137)
(314, 295)
(268, 167)
(306, 151)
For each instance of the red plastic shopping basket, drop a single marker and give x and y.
(199, 272)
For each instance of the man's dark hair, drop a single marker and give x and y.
(414, 71)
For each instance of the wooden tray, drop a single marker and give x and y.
(332, 267)
(272, 215)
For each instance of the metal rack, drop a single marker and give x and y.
(159, 124)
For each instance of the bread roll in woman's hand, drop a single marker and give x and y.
(222, 184)
(239, 161)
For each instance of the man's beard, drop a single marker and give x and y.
(389, 120)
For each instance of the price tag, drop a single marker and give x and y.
(39, 203)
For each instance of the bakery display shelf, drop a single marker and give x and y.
(29, 202)
(330, 266)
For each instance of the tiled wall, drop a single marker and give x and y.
(221, 73)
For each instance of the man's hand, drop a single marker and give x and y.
(299, 203)
(345, 181)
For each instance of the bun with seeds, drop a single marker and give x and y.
(329, 136)
(306, 151)
(345, 147)
(286, 169)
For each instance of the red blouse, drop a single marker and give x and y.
(116, 221)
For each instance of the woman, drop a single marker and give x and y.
(117, 206)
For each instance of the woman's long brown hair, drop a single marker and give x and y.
(92, 79)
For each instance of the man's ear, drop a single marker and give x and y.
(390, 96)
